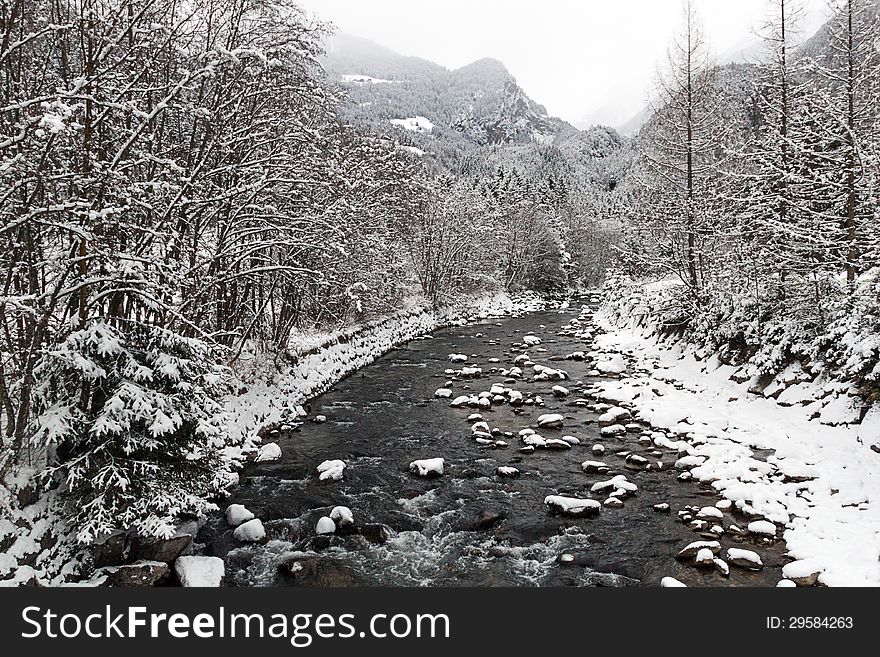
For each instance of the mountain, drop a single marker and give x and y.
(433, 108)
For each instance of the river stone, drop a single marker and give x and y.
(486, 520)
(321, 572)
(744, 559)
(375, 533)
(140, 574)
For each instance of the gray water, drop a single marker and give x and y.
(385, 416)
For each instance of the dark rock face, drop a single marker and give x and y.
(110, 549)
(167, 549)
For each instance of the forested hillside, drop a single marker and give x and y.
(757, 199)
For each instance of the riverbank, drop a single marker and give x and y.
(821, 484)
(36, 546)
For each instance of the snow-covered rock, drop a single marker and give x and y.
(690, 551)
(443, 393)
(269, 452)
(201, 572)
(762, 528)
(325, 525)
(744, 558)
(236, 514)
(331, 470)
(560, 391)
(572, 506)
(710, 513)
(342, 516)
(506, 471)
(804, 572)
(251, 531)
(671, 583)
(428, 467)
(551, 421)
(458, 358)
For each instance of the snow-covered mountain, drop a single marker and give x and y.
(476, 105)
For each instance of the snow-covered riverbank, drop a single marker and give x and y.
(821, 484)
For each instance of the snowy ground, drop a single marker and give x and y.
(821, 484)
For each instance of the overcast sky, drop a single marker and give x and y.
(591, 59)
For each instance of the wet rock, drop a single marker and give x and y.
(309, 571)
(613, 503)
(721, 567)
(486, 520)
(375, 533)
(139, 574)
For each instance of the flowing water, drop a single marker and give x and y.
(468, 527)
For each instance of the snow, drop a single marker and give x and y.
(270, 452)
(237, 514)
(427, 467)
(325, 525)
(415, 124)
(412, 150)
(443, 393)
(832, 519)
(331, 470)
(363, 79)
(251, 531)
(506, 471)
(203, 572)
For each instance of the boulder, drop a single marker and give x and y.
(138, 574)
(165, 549)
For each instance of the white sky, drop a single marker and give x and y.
(580, 58)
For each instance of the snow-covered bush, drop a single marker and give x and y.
(135, 420)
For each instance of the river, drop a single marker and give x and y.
(469, 527)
